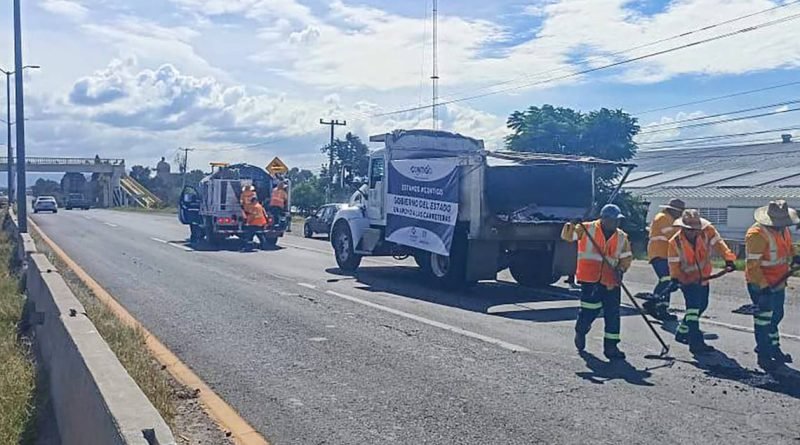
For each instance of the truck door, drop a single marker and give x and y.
(377, 168)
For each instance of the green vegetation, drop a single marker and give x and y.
(719, 263)
(128, 343)
(17, 372)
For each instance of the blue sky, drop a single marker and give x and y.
(140, 79)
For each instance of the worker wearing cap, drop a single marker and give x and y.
(690, 266)
(248, 193)
(661, 230)
(255, 221)
(278, 200)
(770, 256)
(600, 279)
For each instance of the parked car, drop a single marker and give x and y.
(45, 204)
(76, 201)
(320, 222)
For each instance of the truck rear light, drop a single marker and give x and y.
(224, 221)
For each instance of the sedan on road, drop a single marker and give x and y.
(320, 222)
(45, 204)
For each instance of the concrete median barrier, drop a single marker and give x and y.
(94, 399)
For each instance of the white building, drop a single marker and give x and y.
(725, 183)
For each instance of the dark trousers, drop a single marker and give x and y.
(248, 232)
(661, 267)
(594, 298)
(767, 318)
(696, 303)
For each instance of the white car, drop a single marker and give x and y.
(45, 204)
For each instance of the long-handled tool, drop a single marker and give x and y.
(785, 278)
(664, 346)
(652, 296)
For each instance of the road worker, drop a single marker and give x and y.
(661, 230)
(600, 279)
(255, 221)
(248, 193)
(279, 200)
(770, 256)
(689, 257)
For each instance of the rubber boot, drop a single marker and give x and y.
(682, 338)
(580, 341)
(649, 307)
(662, 313)
(612, 352)
(700, 347)
(781, 357)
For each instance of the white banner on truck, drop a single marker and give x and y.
(422, 205)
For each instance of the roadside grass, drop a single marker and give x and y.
(17, 371)
(127, 343)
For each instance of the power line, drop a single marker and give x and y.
(711, 99)
(638, 47)
(735, 119)
(727, 113)
(606, 66)
(721, 136)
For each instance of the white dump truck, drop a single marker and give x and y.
(465, 213)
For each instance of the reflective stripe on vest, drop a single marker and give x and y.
(774, 259)
(590, 252)
(700, 265)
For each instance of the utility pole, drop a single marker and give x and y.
(184, 164)
(333, 124)
(22, 209)
(10, 155)
(435, 76)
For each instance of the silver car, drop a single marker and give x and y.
(45, 204)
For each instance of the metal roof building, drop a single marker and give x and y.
(726, 183)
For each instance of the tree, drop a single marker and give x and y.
(194, 177)
(46, 187)
(141, 174)
(350, 162)
(606, 134)
(307, 196)
(297, 176)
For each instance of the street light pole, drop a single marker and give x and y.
(22, 209)
(10, 155)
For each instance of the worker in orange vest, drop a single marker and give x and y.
(248, 193)
(661, 230)
(770, 256)
(279, 200)
(600, 279)
(690, 266)
(256, 221)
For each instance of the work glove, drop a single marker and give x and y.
(730, 266)
(796, 260)
(619, 274)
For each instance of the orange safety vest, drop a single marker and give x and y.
(661, 230)
(694, 259)
(777, 259)
(278, 198)
(247, 197)
(591, 267)
(256, 216)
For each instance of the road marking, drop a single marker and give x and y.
(159, 240)
(440, 325)
(181, 246)
(110, 225)
(375, 260)
(736, 327)
(306, 285)
(220, 411)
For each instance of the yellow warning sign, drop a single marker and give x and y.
(277, 166)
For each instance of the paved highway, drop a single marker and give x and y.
(309, 356)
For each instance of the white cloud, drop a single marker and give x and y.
(69, 8)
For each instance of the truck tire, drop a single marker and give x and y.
(343, 249)
(449, 272)
(307, 232)
(533, 268)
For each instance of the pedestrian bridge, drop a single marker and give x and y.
(43, 164)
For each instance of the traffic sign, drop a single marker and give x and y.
(277, 166)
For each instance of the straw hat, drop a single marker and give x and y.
(777, 214)
(675, 204)
(690, 219)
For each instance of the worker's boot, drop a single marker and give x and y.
(650, 308)
(681, 337)
(580, 341)
(663, 314)
(781, 357)
(700, 347)
(766, 363)
(612, 352)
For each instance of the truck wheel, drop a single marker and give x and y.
(307, 232)
(343, 249)
(449, 272)
(533, 269)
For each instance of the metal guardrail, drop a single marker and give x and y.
(42, 160)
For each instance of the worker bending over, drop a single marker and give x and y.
(770, 256)
(690, 266)
(600, 279)
(661, 230)
(256, 221)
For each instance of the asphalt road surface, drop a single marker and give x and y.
(310, 356)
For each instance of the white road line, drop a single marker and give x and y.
(180, 246)
(440, 325)
(110, 225)
(736, 327)
(159, 240)
(306, 285)
(375, 260)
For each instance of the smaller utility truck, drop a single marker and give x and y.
(465, 213)
(213, 210)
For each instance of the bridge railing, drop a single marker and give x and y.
(43, 160)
